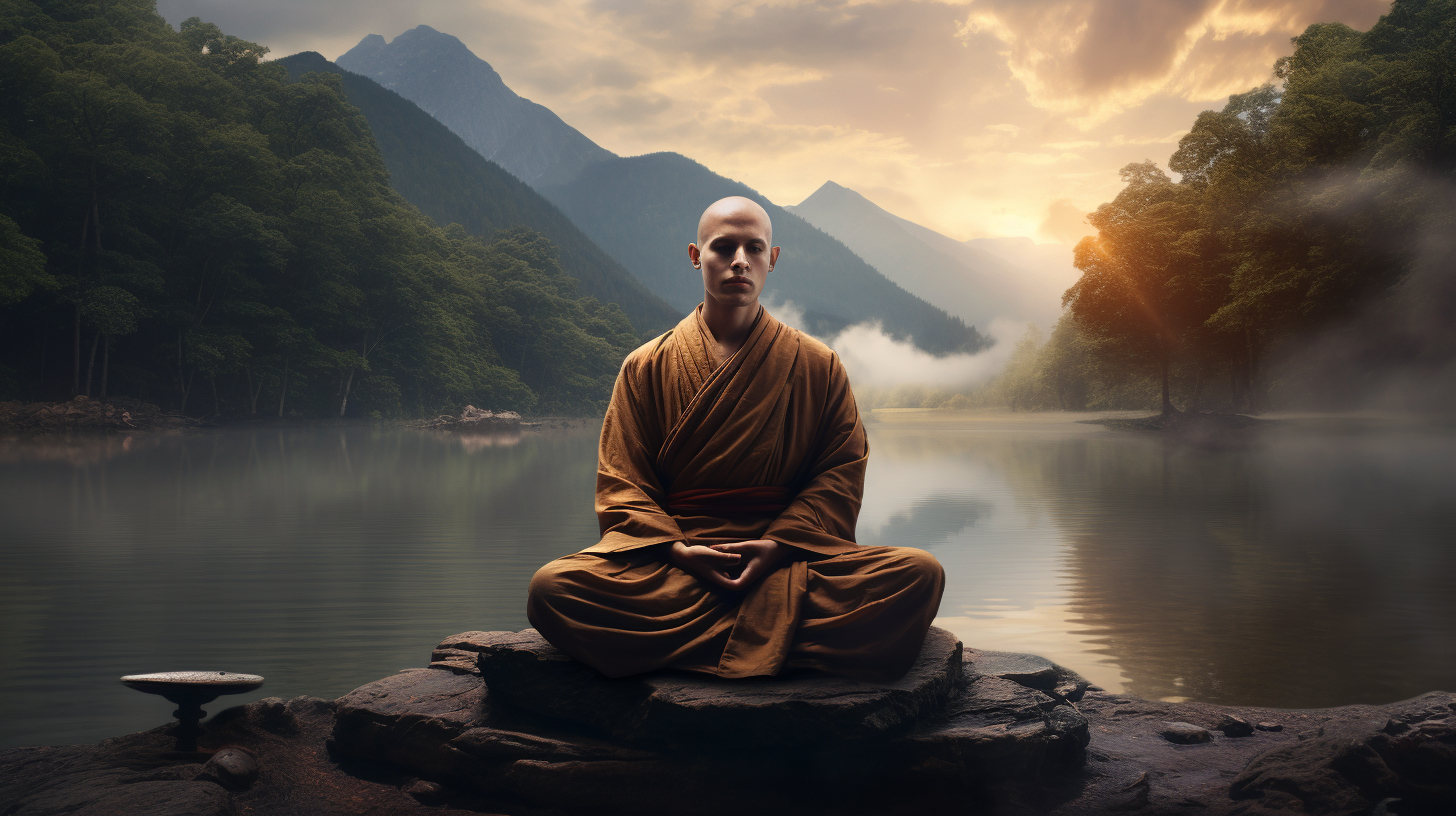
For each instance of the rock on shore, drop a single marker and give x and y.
(503, 723)
(84, 413)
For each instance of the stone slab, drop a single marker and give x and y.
(1000, 728)
(410, 718)
(677, 708)
(1032, 671)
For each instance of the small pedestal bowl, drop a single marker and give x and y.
(189, 690)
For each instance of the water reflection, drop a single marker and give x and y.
(1310, 568)
(318, 558)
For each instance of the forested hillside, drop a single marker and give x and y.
(1307, 254)
(182, 224)
(644, 210)
(453, 184)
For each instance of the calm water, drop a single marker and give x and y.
(1312, 567)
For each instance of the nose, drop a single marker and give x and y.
(740, 259)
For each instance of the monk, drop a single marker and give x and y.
(729, 478)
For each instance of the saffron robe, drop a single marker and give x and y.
(765, 445)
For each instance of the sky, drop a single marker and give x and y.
(976, 118)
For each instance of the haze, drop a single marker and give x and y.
(977, 119)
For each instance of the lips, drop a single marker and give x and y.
(738, 282)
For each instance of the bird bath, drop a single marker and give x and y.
(189, 690)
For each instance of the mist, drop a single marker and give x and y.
(874, 359)
(1398, 351)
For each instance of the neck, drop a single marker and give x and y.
(730, 325)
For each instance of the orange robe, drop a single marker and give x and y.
(767, 444)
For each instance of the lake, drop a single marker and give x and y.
(1310, 565)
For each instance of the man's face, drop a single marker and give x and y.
(734, 254)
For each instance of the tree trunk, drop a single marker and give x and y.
(347, 385)
(105, 362)
(253, 395)
(76, 353)
(44, 337)
(185, 392)
(284, 394)
(91, 361)
(1167, 402)
(183, 383)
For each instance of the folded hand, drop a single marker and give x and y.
(735, 566)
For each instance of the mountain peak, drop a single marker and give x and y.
(829, 192)
(439, 73)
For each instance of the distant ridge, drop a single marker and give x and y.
(644, 210)
(437, 172)
(968, 281)
(437, 72)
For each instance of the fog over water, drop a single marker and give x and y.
(1307, 567)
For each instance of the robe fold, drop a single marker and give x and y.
(767, 444)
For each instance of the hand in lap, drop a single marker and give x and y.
(736, 566)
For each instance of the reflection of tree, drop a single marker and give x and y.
(1309, 568)
(929, 521)
(1296, 576)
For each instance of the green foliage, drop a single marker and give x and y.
(1296, 209)
(175, 202)
(449, 181)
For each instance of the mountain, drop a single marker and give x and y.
(437, 72)
(644, 211)
(966, 279)
(441, 175)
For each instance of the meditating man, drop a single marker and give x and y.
(729, 477)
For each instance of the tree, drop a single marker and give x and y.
(1138, 273)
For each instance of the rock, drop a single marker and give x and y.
(140, 774)
(497, 744)
(997, 727)
(234, 768)
(1269, 726)
(1233, 726)
(1030, 671)
(1351, 766)
(410, 718)
(459, 661)
(80, 412)
(425, 791)
(677, 708)
(1183, 733)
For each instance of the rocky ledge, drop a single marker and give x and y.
(85, 413)
(501, 722)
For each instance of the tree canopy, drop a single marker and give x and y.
(182, 223)
(1298, 208)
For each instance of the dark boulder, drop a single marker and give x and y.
(1352, 766)
(678, 708)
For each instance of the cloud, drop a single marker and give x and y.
(966, 115)
(1092, 59)
(875, 359)
(878, 360)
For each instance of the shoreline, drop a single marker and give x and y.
(430, 740)
(120, 415)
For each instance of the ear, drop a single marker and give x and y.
(694, 253)
(773, 258)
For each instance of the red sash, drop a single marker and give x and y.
(736, 501)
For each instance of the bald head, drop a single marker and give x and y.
(737, 210)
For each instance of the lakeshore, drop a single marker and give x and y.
(500, 722)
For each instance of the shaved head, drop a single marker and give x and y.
(733, 208)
